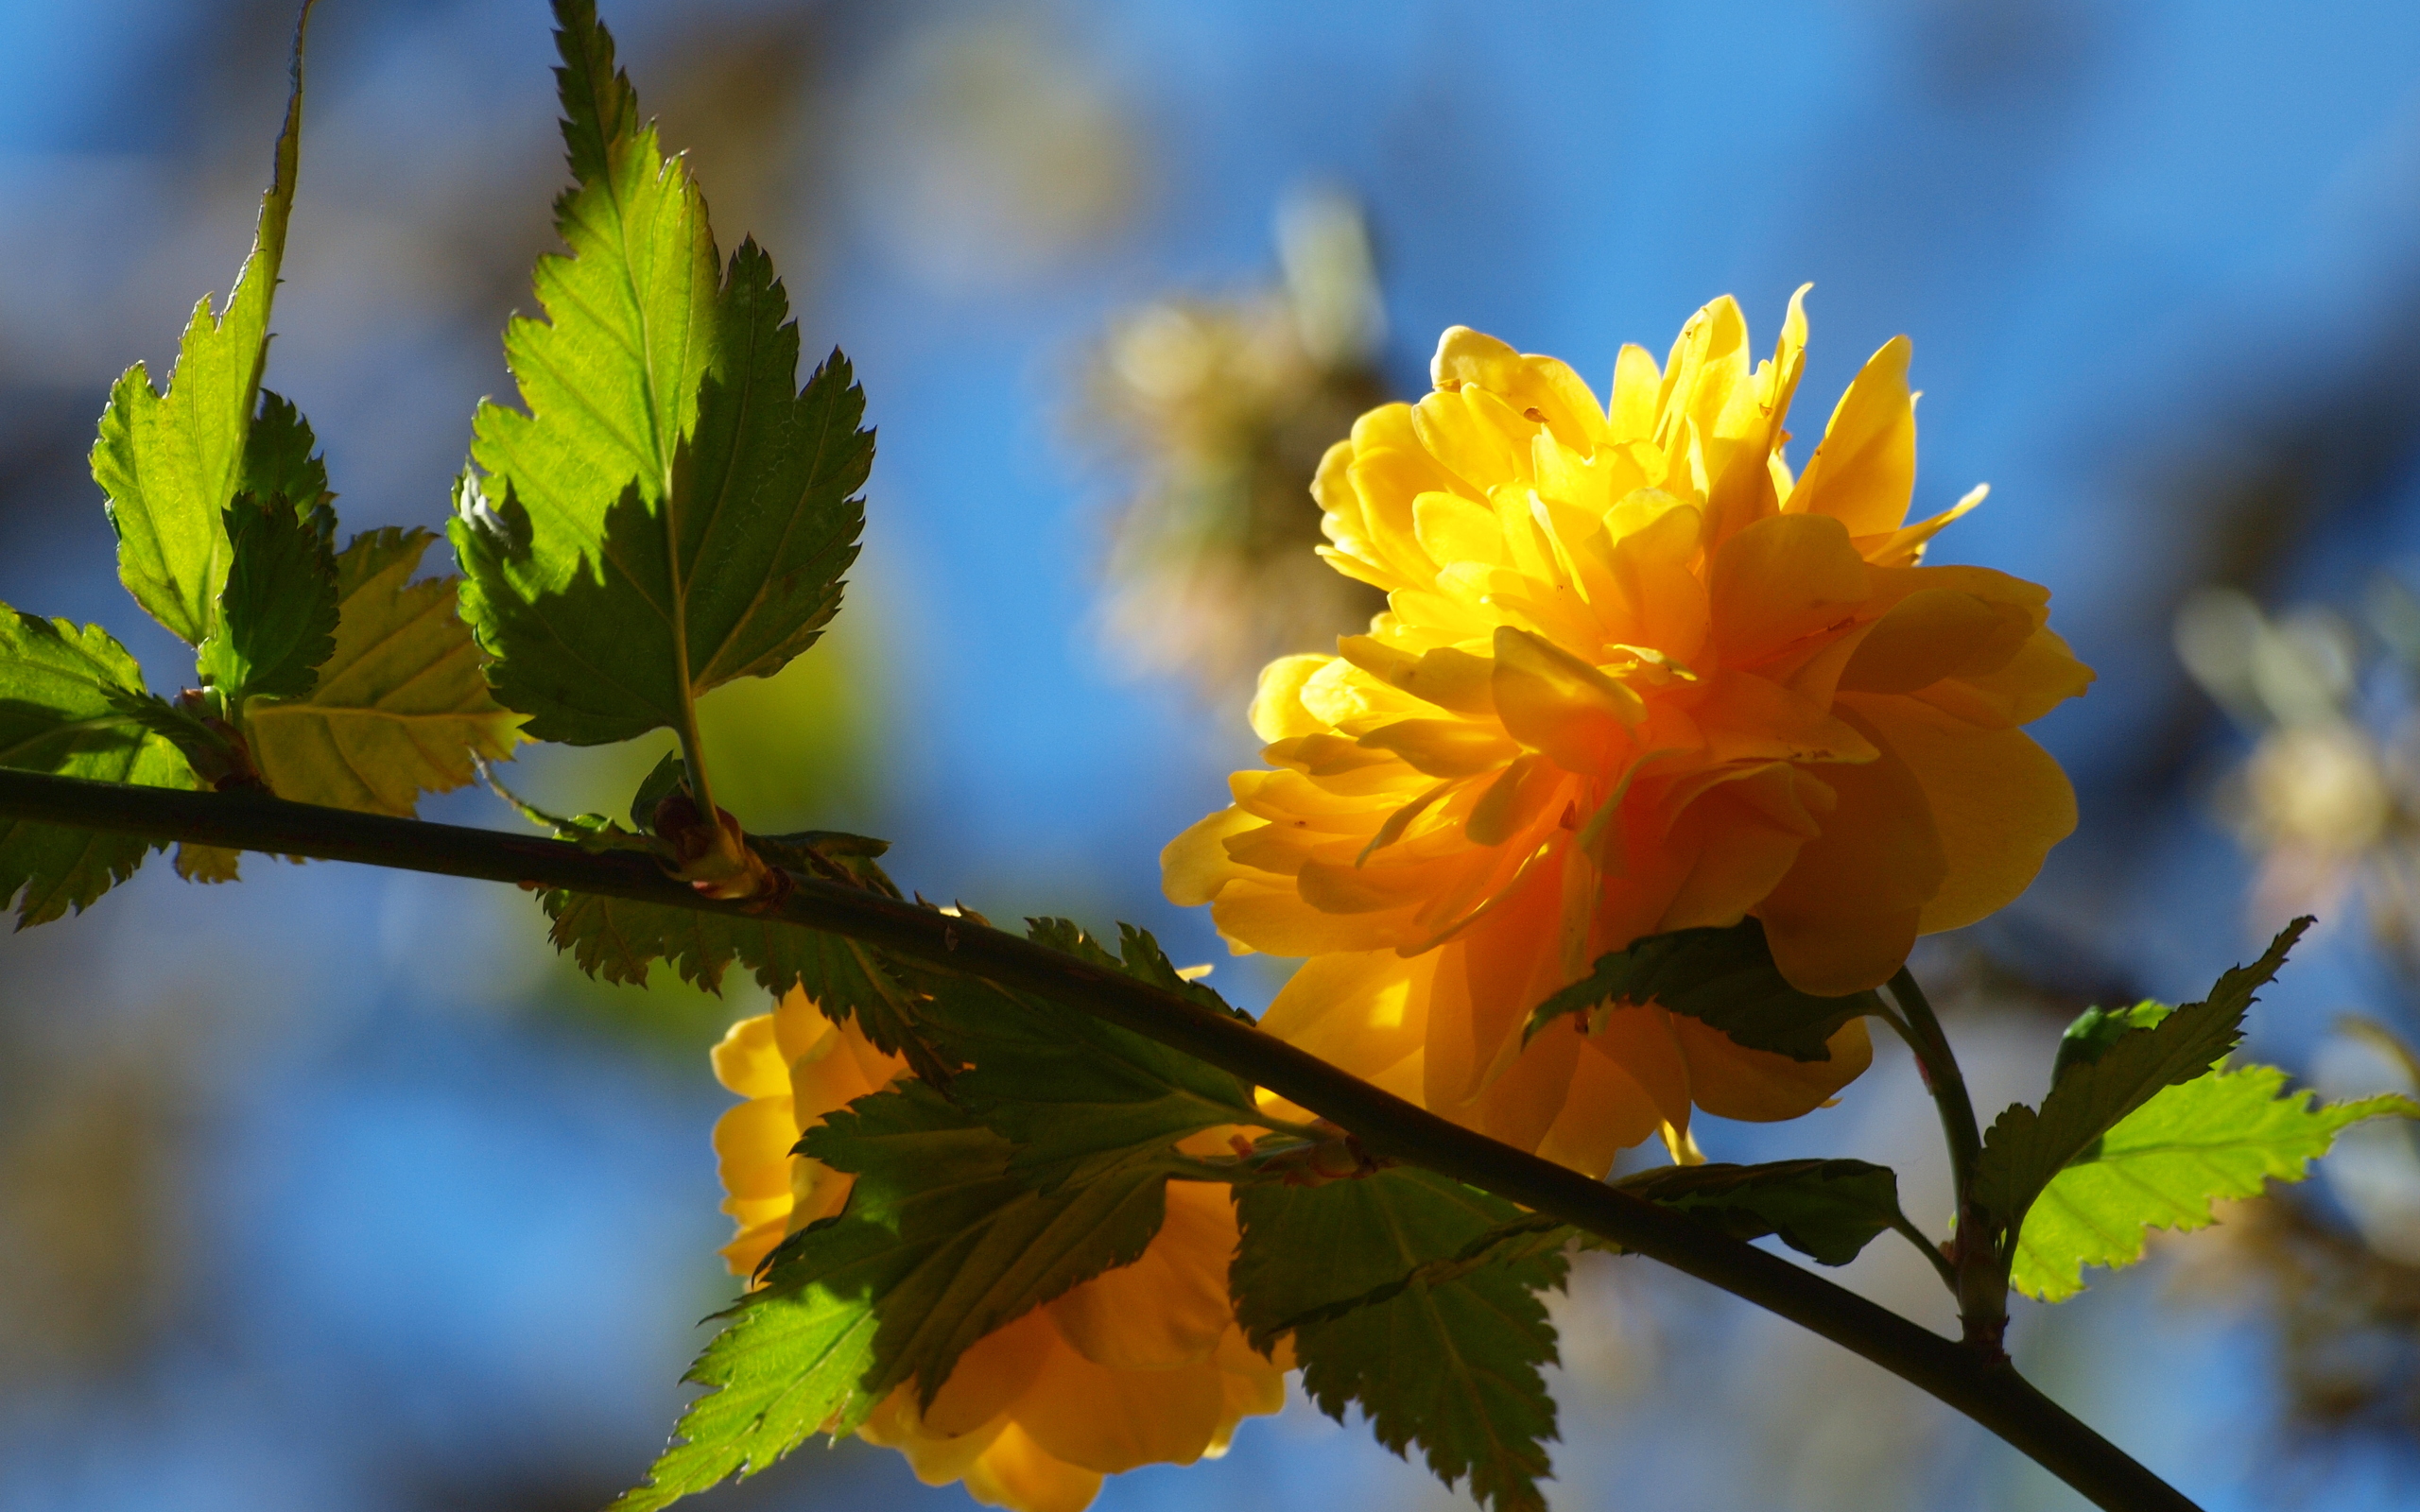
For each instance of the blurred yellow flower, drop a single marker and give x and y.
(1140, 1364)
(1633, 677)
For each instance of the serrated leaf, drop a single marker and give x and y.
(277, 620)
(171, 463)
(939, 1245)
(399, 707)
(617, 939)
(281, 456)
(2223, 1135)
(2025, 1149)
(71, 705)
(1077, 1096)
(670, 513)
(1452, 1366)
(1827, 1210)
(1724, 978)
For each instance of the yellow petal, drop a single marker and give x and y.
(1446, 676)
(752, 1147)
(1525, 789)
(1844, 918)
(1015, 1471)
(1168, 1308)
(1108, 1420)
(1605, 1112)
(1905, 546)
(1276, 919)
(1931, 634)
(1444, 747)
(1194, 865)
(1277, 709)
(991, 1376)
(1362, 1010)
(2043, 675)
(1631, 416)
(1729, 1080)
(750, 1062)
(1744, 835)
(1998, 800)
(1551, 701)
(1864, 472)
(1786, 577)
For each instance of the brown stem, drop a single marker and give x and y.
(1991, 1393)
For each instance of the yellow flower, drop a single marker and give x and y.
(1139, 1364)
(1633, 677)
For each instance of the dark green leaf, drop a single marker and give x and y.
(2097, 1028)
(71, 703)
(277, 620)
(939, 1247)
(1724, 978)
(2224, 1134)
(170, 464)
(1077, 1096)
(1828, 1210)
(670, 513)
(2025, 1149)
(1451, 1363)
(617, 939)
(281, 456)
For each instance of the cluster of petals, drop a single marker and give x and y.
(1140, 1364)
(1634, 675)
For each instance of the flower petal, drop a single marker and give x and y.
(1864, 470)
(1999, 802)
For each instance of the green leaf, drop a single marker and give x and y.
(2223, 1134)
(617, 939)
(1078, 1097)
(2097, 1028)
(277, 620)
(171, 463)
(71, 703)
(939, 1245)
(1724, 978)
(670, 513)
(399, 707)
(281, 456)
(1451, 1365)
(2023, 1149)
(1828, 1210)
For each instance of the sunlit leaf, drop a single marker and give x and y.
(171, 463)
(2025, 1149)
(1449, 1363)
(671, 512)
(939, 1245)
(398, 708)
(70, 704)
(2224, 1134)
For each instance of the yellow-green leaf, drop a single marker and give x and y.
(2224, 1134)
(170, 463)
(399, 707)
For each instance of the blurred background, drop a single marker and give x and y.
(336, 1190)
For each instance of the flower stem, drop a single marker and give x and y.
(1979, 1278)
(1990, 1391)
